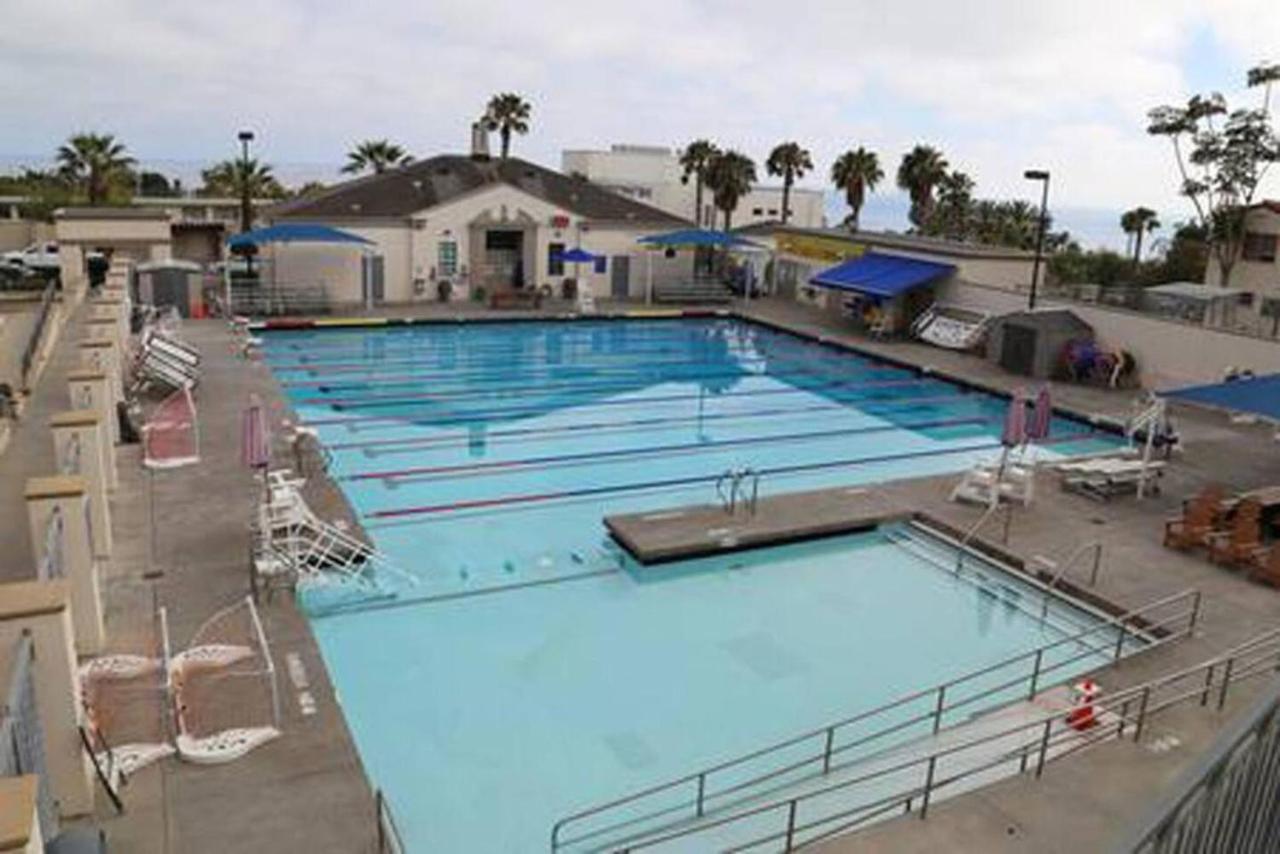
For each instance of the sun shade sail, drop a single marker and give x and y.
(1259, 396)
(696, 237)
(880, 275)
(294, 232)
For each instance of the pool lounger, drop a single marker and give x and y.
(1107, 485)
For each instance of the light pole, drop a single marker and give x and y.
(1038, 175)
(246, 211)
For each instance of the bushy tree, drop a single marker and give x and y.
(1222, 156)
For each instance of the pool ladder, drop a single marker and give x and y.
(738, 486)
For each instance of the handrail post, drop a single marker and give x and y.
(791, 825)
(1124, 719)
(928, 786)
(937, 709)
(1142, 714)
(826, 751)
(1097, 562)
(1208, 683)
(1044, 748)
(1226, 682)
(702, 788)
(1035, 674)
(1120, 641)
(1195, 611)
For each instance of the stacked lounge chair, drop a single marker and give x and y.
(165, 361)
(1103, 478)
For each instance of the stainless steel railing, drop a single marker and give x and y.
(818, 752)
(389, 839)
(801, 820)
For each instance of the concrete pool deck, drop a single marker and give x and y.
(307, 790)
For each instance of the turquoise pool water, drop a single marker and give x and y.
(482, 458)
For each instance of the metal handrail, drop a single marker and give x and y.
(1115, 714)
(973, 532)
(389, 839)
(942, 700)
(37, 333)
(1095, 547)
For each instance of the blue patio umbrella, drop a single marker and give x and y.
(576, 256)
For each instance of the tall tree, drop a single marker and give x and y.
(950, 215)
(856, 172)
(235, 177)
(694, 160)
(1264, 75)
(922, 168)
(507, 113)
(1228, 155)
(378, 155)
(94, 161)
(730, 175)
(788, 161)
(1138, 222)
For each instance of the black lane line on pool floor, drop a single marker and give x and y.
(671, 449)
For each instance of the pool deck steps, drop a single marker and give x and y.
(680, 533)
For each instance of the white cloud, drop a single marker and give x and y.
(997, 85)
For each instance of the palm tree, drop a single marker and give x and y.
(238, 177)
(922, 168)
(788, 161)
(951, 216)
(694, 159)
(1128, 224)
(730, 175)
(856, 172)
(507, 113)
(376, 154)
(94, 161)
(1141, 221)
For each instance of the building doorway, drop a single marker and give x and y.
(504, 259)
(620, 278)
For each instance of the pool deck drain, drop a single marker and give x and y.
(708, 529)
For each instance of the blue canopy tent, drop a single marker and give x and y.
(1255, 396)
(576, 256)
(290, 232)
(691, 238)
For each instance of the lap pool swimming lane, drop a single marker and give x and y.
(482, 458)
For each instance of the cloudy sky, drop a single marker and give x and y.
(998, 86)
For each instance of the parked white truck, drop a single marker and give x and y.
(37, 256)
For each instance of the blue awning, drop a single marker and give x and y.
(1259, 396)
(881, 276)
(697, 237)
(294, 232)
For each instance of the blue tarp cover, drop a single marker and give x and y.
(294, 232)
(880, 275)
(1260, 395)
(697, 237)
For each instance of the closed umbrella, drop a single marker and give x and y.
(1013, 435)
(1041, 417)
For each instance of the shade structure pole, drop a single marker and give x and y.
(648, 283)
(226, 286)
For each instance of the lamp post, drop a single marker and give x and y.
(1038, 175)
(246, 211)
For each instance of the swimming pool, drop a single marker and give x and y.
(483, 457)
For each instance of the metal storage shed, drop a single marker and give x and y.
(1031, 343)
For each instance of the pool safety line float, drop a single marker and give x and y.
(1082, 716)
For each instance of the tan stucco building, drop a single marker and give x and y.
(474, 222)
(1257, 271)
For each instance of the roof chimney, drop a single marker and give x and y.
(479, 141)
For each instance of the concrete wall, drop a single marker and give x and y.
(1169, 354)
(21, 233)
